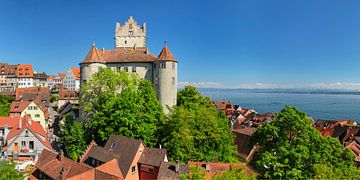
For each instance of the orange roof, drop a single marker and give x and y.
(76, 72)
(165, 54)
(62, 75)
(119, 55)
(20, 106)
(11, 121)
(31, 125)
(24, 71)
(111, 167)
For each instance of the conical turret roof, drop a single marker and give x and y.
(165, 54)
(93, 56)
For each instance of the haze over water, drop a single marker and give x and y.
(317, 105)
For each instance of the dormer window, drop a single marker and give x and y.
(112, 147)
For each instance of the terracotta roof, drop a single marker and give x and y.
(112, 168)
(355, 147)
(165, 54)
(24, 71)
(65, 94)
(32, 93)
(222, 105)
(93, 56)
(62, 75)
(40, 76)
(76, 72)
(119, 55)
(11, 121)
(153, 156)
(167, 170)
(20, 106)
(49, 164)
(34, 127)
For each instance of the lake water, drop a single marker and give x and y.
(318, 106)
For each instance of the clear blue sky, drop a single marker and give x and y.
(229, 42)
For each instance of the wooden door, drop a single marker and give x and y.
(16, 148)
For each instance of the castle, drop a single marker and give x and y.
(132, 55)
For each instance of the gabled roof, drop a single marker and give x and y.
(76, 73)
(20, 106)
(167, 170)
(153, 156)
(33, 126)
(165, 54)
(216, 169)
(222, 104)
(32, 93)
(11, 121)
(112, 168)
(49, 164)
(62, 75)
(126, 148)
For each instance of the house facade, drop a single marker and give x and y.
(37, 111)
(132, 55)
(71, 79)
(26, 140)
(40, 79)
(25, 75)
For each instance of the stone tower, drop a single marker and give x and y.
(130, 34)
(92, 64)
(165, 78)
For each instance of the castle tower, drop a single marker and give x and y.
(130, 34)
(165, 78)
(92, 63)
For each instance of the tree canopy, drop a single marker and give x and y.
(7, 171)
(5, 102)
(196, 131)
(73, 135)
(292, 149)
(119, 103)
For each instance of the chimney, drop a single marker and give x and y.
(207, 167)
(61, 155)
(177, 166)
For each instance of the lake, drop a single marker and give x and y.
(317, 105)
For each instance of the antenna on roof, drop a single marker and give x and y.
(165, 42)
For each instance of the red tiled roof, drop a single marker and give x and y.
(76, 72)
(20, 106)
(65, 94)
(34, 127)
(165, 54)
(119, 55)
(249, 131)
(112, 168)
(217, 169)
(222, 105)
(11, 121)
(62, 75)
(24, 71)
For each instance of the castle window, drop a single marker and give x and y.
(133, 69)
(163, 65)
(173, 65)
(125, 42)
(173, 80)
(131, 33)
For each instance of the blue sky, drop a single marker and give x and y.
(257, 43)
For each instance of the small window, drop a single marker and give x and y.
(37, 115)
(118, 69)
(126, 69)
(35, 108)
(92, 162)
(133, 169)
(133, 69)
(31, 144)
(173, 65)
(125, 42)
(173, 80)
(23, 144)
(163, 65)
(113, 145)
(131, 33)
(130, 26)
(30, 107)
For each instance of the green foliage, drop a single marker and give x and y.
(291, 148)
(235, 174)
(73, 136)
(196, 131)
(121, 104)
(5, 102)
(53, 98)
(7, 171)
(195, 174)
(326, 171)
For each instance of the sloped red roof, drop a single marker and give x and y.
(112, 168)
(34, 127)
(165, 54)
(20, 106)
(24, 71)
(76, 72)
(62, 75)
(217, 169)
(119, 55)
(11, 121)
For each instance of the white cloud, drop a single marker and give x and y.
(208, 84)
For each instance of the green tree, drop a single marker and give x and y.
(291, 148)
(195, 130)
(235, 173)
(121, 104)
(7, 171)
(5, 102)
(73, 136)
